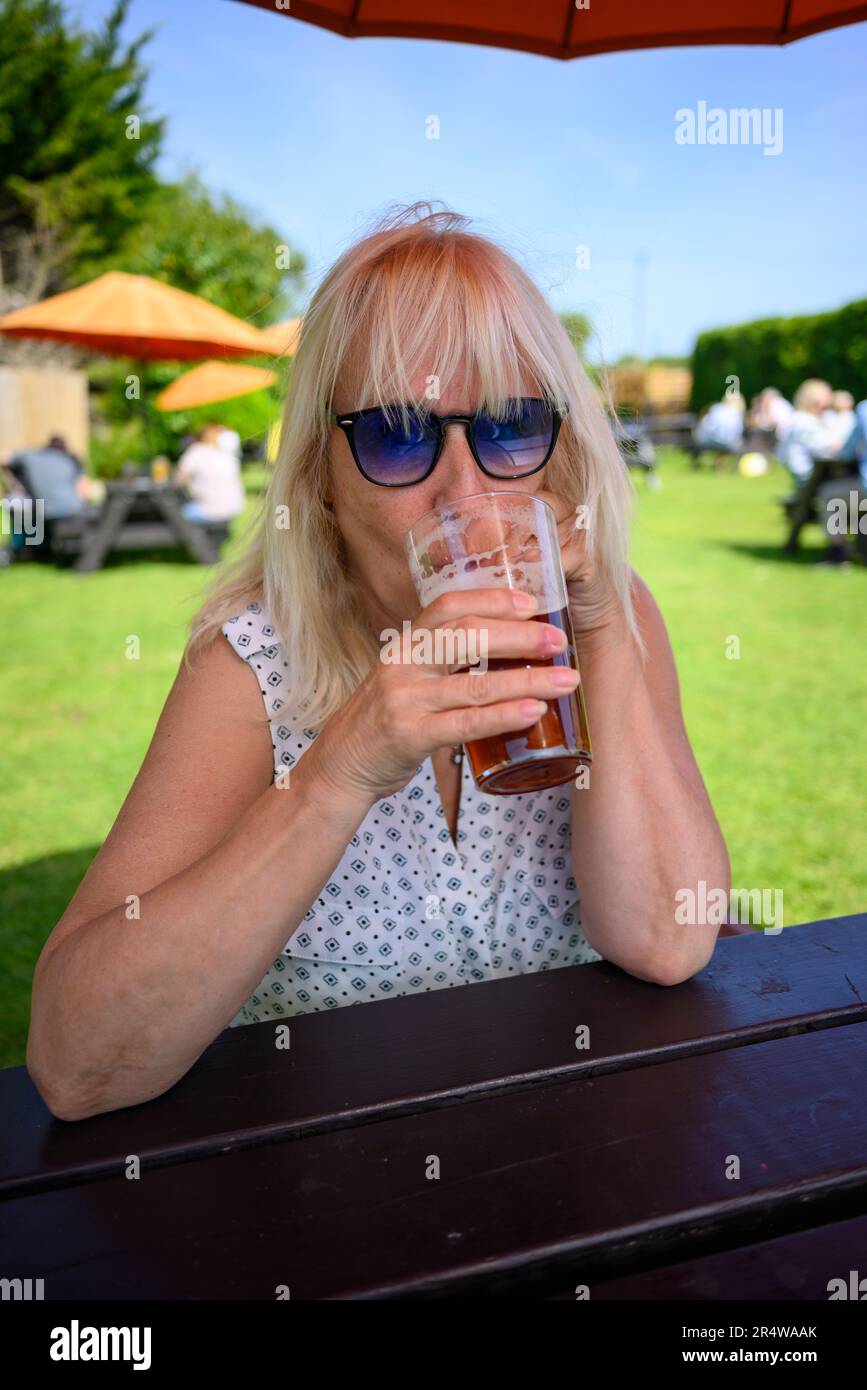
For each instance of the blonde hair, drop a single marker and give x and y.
(419, 288)
(811, 393)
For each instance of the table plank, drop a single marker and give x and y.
(796, 1267)
(591, 1178)
(365, 1061)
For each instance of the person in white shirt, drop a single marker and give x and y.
(721, 428)
(321, 840)
(840, 419)
(212, 476)
(809, 436)
(773, 412)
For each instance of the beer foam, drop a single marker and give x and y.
(502, 566)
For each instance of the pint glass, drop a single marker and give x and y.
(508, 540)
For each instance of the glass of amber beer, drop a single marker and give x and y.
(508, 540)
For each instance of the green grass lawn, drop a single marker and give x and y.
(778, 732)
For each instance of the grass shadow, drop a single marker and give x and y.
(805, 556)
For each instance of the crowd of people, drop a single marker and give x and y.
(209, 469)
(818, 423)
(819, 426)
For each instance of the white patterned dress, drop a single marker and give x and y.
(406, 909)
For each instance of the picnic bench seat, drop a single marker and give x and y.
(69, 537)
(801, 508)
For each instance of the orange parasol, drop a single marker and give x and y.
(213, 381)
(562, 29)
(280, 339)
(134, 316)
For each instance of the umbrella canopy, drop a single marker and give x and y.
(134, 316)
(213, 381)
(559, 29)
(280, 339)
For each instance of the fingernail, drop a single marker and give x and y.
(533, 706)
(524, 601)
(564, 675)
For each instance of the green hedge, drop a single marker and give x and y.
(782, 353)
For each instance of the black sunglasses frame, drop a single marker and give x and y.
(346, 421)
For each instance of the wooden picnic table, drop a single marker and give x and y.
(464, 1142)
(138, 514)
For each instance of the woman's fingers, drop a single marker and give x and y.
(494, 637)
(470, 690)
(454, 604)
(486, 721)
(466, 626)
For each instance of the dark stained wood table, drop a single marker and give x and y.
(708, 1142)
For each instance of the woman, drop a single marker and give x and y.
(298, 836)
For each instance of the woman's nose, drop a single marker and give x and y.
(458, 471)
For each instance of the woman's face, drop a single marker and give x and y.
(374, 520)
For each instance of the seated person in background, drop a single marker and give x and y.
(843, 501)
(212, 476)
(809, 436)
(840, 418)
(772, 412)
(721, 429)
(53, 476)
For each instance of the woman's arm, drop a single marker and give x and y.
(644, 828)
(206, 873)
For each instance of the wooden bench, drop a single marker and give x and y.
(802, 507)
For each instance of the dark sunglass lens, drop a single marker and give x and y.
(518, 443)
(391, 452)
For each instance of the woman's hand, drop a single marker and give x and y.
(405, 710)
(593, 601)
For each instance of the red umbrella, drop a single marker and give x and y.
(557, 29)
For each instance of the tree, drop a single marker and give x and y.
(579, 329)
(213, 246)
(76, 148)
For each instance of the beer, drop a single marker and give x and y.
(550, 751)
(509, 540)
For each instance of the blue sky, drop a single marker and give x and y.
(319, 133)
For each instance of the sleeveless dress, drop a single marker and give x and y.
(407, 909)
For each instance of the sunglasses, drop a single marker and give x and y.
(391, 454)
